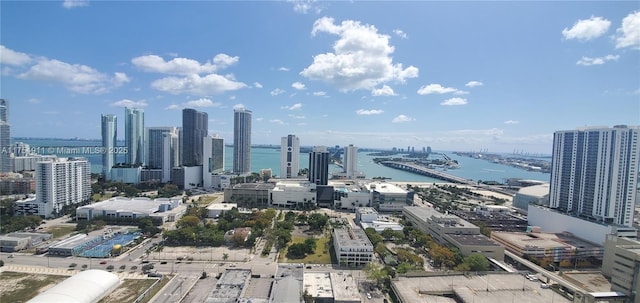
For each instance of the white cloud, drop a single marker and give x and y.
(292, 107)
(259, 119)
(400, 33)
(224, 60)
(629, 33)
(202, 102)
(587, 61)
(320, 93)
(454, 101)
(11, 57)
(402, 119)
(511, 122)
(197, 85)
(435, 89)
(74, 3)
(129, 103)
(283, 69)
(75, 77)
(298, 85)
(34, 101)
(368, 112)
(257, 85)
(277, 121)
(173, 107)
(298, 117)
(383, 91)
(474, 84)
(587, 29)
(361, 58)
(305, 6)
(277, 91)
(239, 106)
(176, 66)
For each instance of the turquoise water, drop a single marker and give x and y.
(470, 168)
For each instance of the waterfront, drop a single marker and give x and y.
(261, 158)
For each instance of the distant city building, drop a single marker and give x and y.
(161, 210)
(319, 165)
(213, 163)
(215, 209)
(350, 163)
(249, 194)
(293, 194)
(109, 125)
(367, 217)
(349, 195)
(195, 126)
(5, 137)
(154, 145)
(389, 197)
(241, 141)
(187, 177)
(28, 163)
(289, 156)
(536, 194)
(594, 173)
(59, 183)
(126, 174)
(170, 154)
(134, 135)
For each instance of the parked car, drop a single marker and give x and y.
(103, 262)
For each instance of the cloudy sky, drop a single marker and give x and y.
(495, 75)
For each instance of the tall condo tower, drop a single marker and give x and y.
(213, 151)
(319, 165)
(154, 143)
(241, 141)
(289, 156)
(5, 137)
(170, 153)
(134, 135)
(62, 182)
(195, 126)
(350, 163)
(594, 173)
(109, 139)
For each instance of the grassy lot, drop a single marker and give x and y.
(129, 291)
(61, 230)
(20, 287)
(99, 197)
(318, 257)
(205, 200)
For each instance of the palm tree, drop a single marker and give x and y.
(225, 256)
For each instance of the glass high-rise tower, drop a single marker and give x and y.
(109, 124)
(134, 135)
(241, 141)
(289, 156)
(319, 165)
(5, 137)
(594, 173)
(195, 127)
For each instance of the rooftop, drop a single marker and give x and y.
(351, 237)
(71, 242)
(318, 284)
(345, 287)
(254, 186)
(480, 240)
(366, 211)
(536, 190)
(384, 187)
(136, 205)
(222, 206)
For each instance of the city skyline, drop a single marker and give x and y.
(453, 76)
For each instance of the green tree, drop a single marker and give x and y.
(477, 262)
(297, 251)
(373, 236)
(225, 256)
(188, 221)
(404, 267)
(310, 245)
(317, 221)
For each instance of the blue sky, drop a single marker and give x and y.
(466, 76)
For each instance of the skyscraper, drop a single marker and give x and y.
(134, 135)
(594, 173)
(154, 143)
(62, 182)
(195, 126)
(213, 151)
(350, 163)
(5, 137)
(109, 139)
(319, 165)
(289, 156)
(241, 141)
(170, 153)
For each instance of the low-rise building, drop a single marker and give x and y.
(561, 249)
(367, 217)
(389, 197)
(21, 240)
(161, 209)
(249, 194)
(293, 194)
(536, 194)
(230, 286)
(350, 195)
(451, 229)
(352, 246)
(288, 284)
(345, 288)
(622, 264)
(317, 285)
